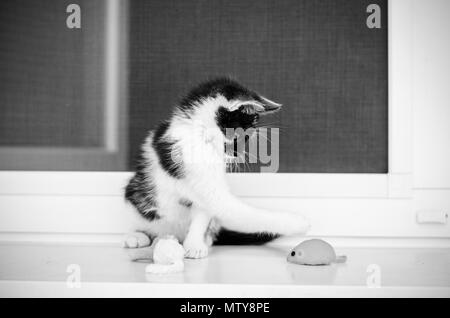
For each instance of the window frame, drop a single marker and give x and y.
(350, 205)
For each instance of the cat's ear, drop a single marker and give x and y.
(261, 106)
(248, 106)
(269, 105)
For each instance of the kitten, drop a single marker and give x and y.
(180, 186)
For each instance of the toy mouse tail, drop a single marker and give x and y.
(341, 259)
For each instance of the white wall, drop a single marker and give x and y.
(431, 107)
(431, 97)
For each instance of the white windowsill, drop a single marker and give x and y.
(39, 269)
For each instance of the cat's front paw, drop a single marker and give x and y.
(195, 249)
(136, 240)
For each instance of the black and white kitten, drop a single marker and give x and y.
(180, 187)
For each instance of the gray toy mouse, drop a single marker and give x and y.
(314, 252)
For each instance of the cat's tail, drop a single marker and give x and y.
(228, 237)
(235, 215)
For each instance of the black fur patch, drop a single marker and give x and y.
(164, 148)
(141, 193)
(235, 119)
(227, 237)
(227, 87)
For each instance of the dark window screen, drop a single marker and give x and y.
(318, 58)
(51, 77)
